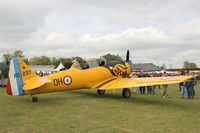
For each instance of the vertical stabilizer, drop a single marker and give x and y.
(19, 72)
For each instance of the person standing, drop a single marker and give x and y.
(142, 88)
(193, 85)
(189, 87)
(165, 87)
(152, 89)
(182, 89)
(165, 91)
(192, 93)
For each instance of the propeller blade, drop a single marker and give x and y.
(127, 55)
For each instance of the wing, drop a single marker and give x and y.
(34, 83)
(137, 82)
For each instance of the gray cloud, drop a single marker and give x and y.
(164, 31)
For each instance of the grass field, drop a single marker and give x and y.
(85, 111)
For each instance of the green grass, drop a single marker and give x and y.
(85, 111)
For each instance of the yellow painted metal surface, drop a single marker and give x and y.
(80, 79)
(137, 82)
(92, 78)
(26, 72)
(34, 83)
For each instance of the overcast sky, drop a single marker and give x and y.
(158, 31)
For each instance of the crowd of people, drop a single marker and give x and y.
(184, 87)
(188, 86)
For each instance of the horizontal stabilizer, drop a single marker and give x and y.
(34, 83)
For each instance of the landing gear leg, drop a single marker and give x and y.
(101, 92)
(34, 99)
(126, 92)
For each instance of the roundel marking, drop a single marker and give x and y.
(67, 80)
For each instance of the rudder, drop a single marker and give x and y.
(19, 72)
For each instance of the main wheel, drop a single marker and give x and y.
(34, 99)
(101, 92)
(126, 92)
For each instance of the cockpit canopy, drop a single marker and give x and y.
(92, 62)
(117, 68)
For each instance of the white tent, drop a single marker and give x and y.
(61, 66)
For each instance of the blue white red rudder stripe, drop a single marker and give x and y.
(15, 83)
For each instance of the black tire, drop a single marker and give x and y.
(101, 92)
(34, 99)
(126, 92)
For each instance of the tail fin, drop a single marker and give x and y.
(19, 72)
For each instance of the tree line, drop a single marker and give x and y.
(45, 60)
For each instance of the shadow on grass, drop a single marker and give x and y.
(143, 100)
(59, 99)
(43, 100)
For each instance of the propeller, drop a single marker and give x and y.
(127, 55)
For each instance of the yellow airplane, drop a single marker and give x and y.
(22, 80)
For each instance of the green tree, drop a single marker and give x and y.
(82, 62)
(188, 64)
(112, 57)
(42, 60)
(64, 60)
(56, 61)
(7, 57)
(45, 60)
(18, 53)
(35, 61)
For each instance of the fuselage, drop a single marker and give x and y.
(74, 78)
